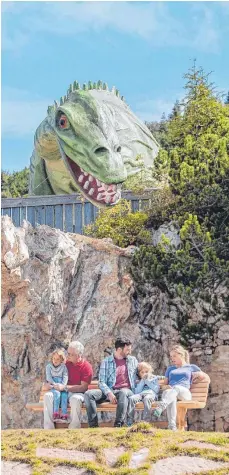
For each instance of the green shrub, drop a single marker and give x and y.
(121, 225)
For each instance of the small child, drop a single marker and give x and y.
(146, 390)
(56, 372)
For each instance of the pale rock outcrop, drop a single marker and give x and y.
(58, 287)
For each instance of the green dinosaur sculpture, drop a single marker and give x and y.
(89, 143)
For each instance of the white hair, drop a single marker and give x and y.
(77, 346)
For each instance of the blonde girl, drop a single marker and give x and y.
(57, 373)
(179, 376)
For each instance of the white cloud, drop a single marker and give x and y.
(207, 37)
(152, 109)
(151, 21)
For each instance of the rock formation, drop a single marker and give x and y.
(58, 287)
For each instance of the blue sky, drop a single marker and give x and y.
(143, 48)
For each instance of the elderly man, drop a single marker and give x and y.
(79, 377)
(116, 381)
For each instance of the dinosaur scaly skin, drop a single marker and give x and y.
(89, 144)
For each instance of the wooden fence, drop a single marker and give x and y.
(69, 213)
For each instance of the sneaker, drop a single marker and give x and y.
(56, 416)
(118, 424)
(64, 417)
(172, 428)
(157, 412)
(129, 423)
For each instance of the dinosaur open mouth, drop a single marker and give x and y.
(94, 189)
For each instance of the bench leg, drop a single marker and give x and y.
(181, 414)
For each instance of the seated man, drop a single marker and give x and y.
(116, 381)
(79, 377)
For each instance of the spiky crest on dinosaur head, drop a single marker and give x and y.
(86, 87)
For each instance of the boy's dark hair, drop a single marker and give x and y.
(108, 351)
(121, 342)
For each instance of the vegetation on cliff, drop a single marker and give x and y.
(196, 164)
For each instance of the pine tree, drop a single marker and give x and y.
(15, 184)
(198, 139)
(197, 164)
(226, 102)
(176, 111)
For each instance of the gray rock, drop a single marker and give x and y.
(170, 231)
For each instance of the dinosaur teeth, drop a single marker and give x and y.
(90, 178)
(86, 185)
(98, 183)
(101, 188)
(80, 179)
(112, 188)
(108, 199)
(99, 196)
(91, 191)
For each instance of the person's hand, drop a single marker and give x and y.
(47, 386)
(195, 376)
(200, 376)
(165, 386)
(112, 398)
(59, 386)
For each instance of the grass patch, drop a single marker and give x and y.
(20, 445)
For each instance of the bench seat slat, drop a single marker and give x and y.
(199, 392)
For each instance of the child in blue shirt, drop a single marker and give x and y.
(146, 390)
(57, 373)
(179, 377)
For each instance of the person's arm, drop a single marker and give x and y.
(77, 388)
(200, 376)
(161, 379)
(139, 387)
(165, 381)
(65, 376)
(48, 375)
(102, 383)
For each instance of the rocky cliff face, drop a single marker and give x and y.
(59, 287)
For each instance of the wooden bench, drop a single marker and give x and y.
(199, 392)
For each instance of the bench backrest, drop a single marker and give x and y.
(199, 391)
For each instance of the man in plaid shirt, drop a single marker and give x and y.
(117, 378)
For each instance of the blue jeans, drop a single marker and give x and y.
(93, 396)
(60, 398)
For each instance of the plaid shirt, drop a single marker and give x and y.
(107, 373)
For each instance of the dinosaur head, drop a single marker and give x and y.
(90, 148)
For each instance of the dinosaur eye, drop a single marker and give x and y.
(63, 122)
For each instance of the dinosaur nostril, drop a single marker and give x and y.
(101, 150)
(119, 149)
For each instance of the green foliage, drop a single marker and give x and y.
(121, 225)
(226, 102)
(15, 184)
(196, 164)
(140, 181)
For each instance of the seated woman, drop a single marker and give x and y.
(179, 377)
